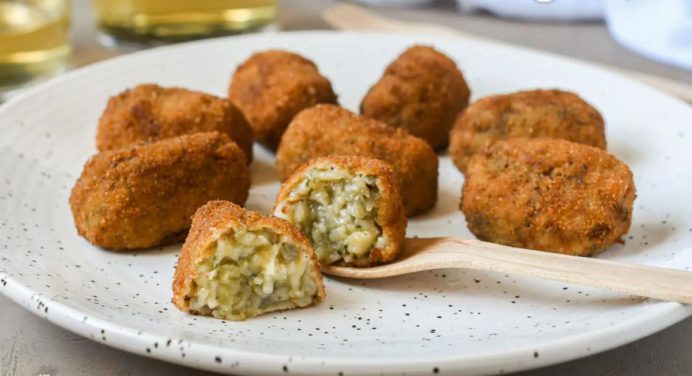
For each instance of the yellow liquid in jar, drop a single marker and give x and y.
(34, 40)
(173, 20)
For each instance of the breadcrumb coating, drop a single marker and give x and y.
(149, 112)
(421, 91)
(529, 114)
(145, 195)
(331, 130)
(548, 194)
(271, 87)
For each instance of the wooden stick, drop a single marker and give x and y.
(438, 253)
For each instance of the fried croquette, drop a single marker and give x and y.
(145, 195)
(271, 87)
(421, 91)
(349, 207)
(328, 129)
(238, 264)
(529, 114)
(150, 112)
(548, 194)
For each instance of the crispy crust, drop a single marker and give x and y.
(390, 210)
(145, 195)
(421, 91)
(548, 194)
(532, 114)
(215, 218)
(271, 87)
(331, 130)
(149, 112)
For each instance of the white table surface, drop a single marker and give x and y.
(32, 346)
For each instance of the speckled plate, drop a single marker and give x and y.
(443, 322)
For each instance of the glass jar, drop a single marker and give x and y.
(147, 21)
(34, 41)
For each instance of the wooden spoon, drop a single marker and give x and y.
(441, 253)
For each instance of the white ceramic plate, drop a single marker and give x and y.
(432, 322)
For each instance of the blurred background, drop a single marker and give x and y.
(41, 38)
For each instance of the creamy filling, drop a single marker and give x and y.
(336, 210)
(251, 272)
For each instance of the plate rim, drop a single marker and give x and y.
(126, 339)
(69, 318)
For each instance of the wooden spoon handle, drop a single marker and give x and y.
(642, 280)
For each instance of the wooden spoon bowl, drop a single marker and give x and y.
(441, 253)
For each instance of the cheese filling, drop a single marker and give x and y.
(336, 210)
(252, 272)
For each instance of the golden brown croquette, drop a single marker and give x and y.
(548, 194)
(331, 130)
(150, 112)
(421, 91)
(271, 87)
(349, 207)
(531, 114)
(238, 264)
(145, 195)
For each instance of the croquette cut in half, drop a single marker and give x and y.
(238, 264)
(527, 114)
(421, 91)
(272, 86)
(149, 112)
(548, 194)
(144, 196)
(349, 207)
(331, 130)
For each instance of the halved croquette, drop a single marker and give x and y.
(349, 207)
(238, 264)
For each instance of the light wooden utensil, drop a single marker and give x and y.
(355, 18)
(442, 253)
